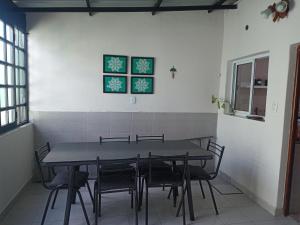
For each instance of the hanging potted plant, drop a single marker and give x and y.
(222, 104)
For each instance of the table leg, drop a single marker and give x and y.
(73, 196)
(189, 196)
(70, 195)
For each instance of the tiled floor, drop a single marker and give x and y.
(234, 209)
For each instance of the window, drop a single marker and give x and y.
(250, 85)
(13, 78)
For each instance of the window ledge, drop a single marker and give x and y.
(259, 119)
(16, 129)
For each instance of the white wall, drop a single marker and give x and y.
(65, 59)
(256, 151)
(16, 162)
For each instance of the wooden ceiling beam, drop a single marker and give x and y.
(216, 4)
(125, 9)
(156, 6)
(88, 4)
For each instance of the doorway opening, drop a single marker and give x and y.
(292, 185)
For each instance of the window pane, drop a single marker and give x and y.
(2, 74)
(1, 28)
(16, 57)
(243, 87)
(17, 76)
(22, 114)
(21, 40)
(22, 95)
(9, 33)
(2, 58)
(260, 86)
(11, 116)
(22, 77)
(9, 53)
(10, 75)
(21, 58)
(17, 96)
(16, 37)
(10, 97)
(4, 119)
(3, 97)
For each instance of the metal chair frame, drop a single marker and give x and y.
(133, 190)
(149, 179)
(218, 152)
(40, 154)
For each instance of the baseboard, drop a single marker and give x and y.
(251, 195)
(14, 200)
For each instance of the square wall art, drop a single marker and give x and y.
(142, 85)
(115, 64)
(142, 65)
(115, 84)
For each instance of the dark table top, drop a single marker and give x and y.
(87, 152)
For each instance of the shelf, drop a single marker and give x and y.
(260, 86)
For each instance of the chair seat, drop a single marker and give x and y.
(61, 180)
(113, 168)
(156, 166)
(196, 172)
(116, 181)
(167, 178)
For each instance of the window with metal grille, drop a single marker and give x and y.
(250, 85)
(13, 77)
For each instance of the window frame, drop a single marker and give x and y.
(5, 63)
(235, 65)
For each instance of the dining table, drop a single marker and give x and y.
(76, 154)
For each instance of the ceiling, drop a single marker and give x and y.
(123, 5)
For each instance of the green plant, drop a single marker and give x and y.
(222, 103)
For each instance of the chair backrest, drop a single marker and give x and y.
(153, 159)
(114, 139)
(132, 161)
(40, 155)
(217, 152)
(140, 138)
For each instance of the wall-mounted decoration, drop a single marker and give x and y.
(116, 64)
(114, 84)
(279, 10)
(142, 85)
(142, 65)
(173, 70)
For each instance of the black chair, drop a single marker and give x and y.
(156, 165)
(58, 181)
(114, 139)
(166, 178)
(116, 181)
(139, 138)
(203, 173)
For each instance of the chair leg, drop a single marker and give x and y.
(96, 207)
(170, 192)
(175, 194)
(141, 194)
(95, 200)
(54, 200)
(183, 204)
(47, 206)
(131, 193)
(83, 208)
(163, 187)
(146, 217)
(213, 197)
(89, 189)
(136, 207)
(99, 204)
(180, 203)
(203, 195)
